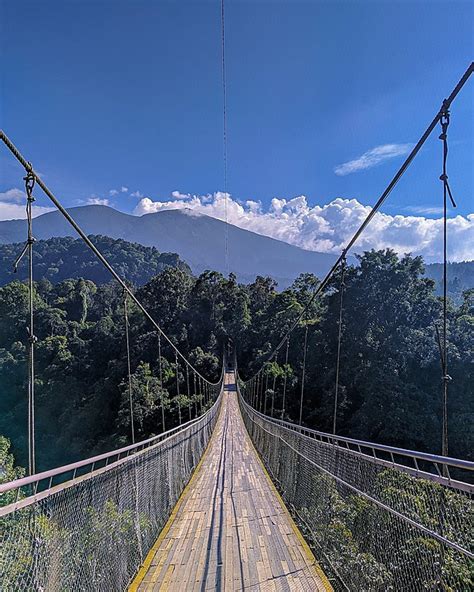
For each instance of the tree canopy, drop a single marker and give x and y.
(390, 387)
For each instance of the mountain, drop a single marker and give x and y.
(60, 258)
(198, 239)
(460, 277)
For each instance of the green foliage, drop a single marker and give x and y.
(345, 523)
(389, 378)
(58, 259)
(460, 278)
(63, 556)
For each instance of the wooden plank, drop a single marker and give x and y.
(231, 532)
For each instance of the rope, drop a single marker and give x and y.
(266, 393)
(257, 389)
(339, 336)
(127, 341)
(195, 397)
(285, 377)
(303, 372)
(177, 387)
(32, 339)
(273, 394)
(224, 129)
(160, 366)
(444, 122)
(198, 391)
(189, 392)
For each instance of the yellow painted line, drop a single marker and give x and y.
(149, 558)
(306, 548)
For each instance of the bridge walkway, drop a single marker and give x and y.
(230, 530)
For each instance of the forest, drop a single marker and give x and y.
(390, 376)
(61, 258)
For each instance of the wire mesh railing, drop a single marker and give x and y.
(379, 518)
(92, 531)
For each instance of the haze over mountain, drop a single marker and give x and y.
(198, 239)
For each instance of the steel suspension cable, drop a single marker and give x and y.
(195, 396)
(444, 121)
(303, 373)
(29, 169)
(160, 371)
(224, 130)
(339, 337)
(188, 392)
(257, 388)
(324, 283)
(273, 394)
(266, 393)
(129, 370)
(177, 388)
(28, 249)
(285, 377)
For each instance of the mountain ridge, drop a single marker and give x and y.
(198, 239)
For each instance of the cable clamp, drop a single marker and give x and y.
(29, 180)
(32, 339)
(447, 378)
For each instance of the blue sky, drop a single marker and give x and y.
(101, 95)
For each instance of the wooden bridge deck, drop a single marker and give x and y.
(230, 530)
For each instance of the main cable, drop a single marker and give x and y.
(27, 166)
(445, 105)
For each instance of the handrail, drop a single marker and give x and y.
(393, 451)
(137, 447)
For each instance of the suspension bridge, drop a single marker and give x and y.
(235, 498)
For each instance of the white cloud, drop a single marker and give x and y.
(122, 189)
(179, 195)
(372, 158)
(13, 205)
(137, 194)
(328, 228)
(11, 211)
(97, 201)
(429, 211)
(13, 195)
